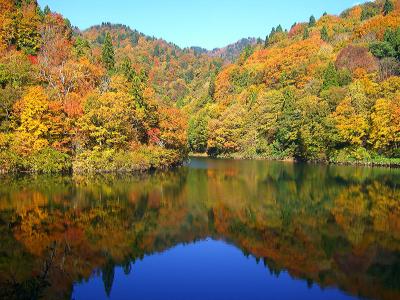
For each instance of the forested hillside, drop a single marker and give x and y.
(68, 102)
(325, 90)
(176, 75)
(113, 99)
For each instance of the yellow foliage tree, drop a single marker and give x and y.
(352, 126)
(40, 123)
(33, 116)
(385, 129)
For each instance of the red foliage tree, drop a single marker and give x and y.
(356, 57)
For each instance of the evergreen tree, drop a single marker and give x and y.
(211, 87)
(273, 31)
(127, 70)
(325, 14)
(266, 44)
(47, 10)
(312, 21)
(108, 55)
(247, 52)
(157, 51)
(324, 34)
(388, 7)
(279, 28)
(306, 33)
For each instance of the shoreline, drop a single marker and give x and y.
(388, 165)
(371, 164)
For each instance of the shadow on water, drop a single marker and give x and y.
(330, 226)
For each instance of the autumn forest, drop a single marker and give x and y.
(132, 167)
(110, 98)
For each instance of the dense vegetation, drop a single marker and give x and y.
(68, 104)
(326, 90)
(113, 99)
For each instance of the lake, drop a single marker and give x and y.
(212, 229)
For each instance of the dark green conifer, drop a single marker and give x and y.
(306, 33)
(108, 55)
(266, 43)
(388, 7)
(312, 21)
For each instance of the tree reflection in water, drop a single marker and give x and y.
(330, 225)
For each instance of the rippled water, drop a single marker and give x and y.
(214, 229)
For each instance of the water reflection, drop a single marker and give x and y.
(330, 226)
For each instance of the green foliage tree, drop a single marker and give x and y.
(382, 49)
(289, 123)
(388, 7)
(127, 70)
(312, 21)
(157, 51)
(46, 10)
(27, 36)
(108, 55)
(198, 134)
(81, 47)
(331, 77)
(369, 10)
(312, 137)
(266, 112)
(273, 31)
(266, 43)
(211, 87)
(306, 33)
(389, 47)
(324, 34)
(393, 38)
(246, 53)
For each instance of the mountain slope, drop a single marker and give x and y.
(175, 73)
(327, 90)
(231, 52)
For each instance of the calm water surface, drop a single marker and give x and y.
(214, 229)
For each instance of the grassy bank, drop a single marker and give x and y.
(372, 161)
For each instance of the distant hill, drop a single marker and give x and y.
(231, 52)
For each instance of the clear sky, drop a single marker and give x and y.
(205, 23)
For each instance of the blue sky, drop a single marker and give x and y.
(205, 23)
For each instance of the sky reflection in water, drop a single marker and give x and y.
(204, 270)
(213, 229)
